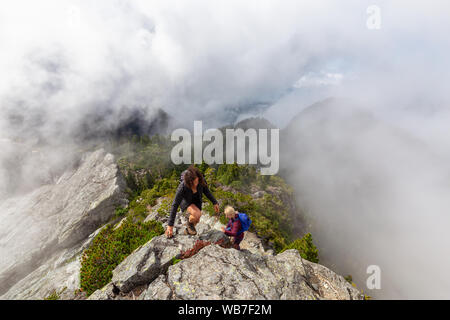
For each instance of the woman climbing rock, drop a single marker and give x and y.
(189, 197)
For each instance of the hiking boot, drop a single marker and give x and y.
(190, 229)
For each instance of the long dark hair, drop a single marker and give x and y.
(190, 174)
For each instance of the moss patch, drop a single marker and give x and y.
(306, 248)
(52, 296)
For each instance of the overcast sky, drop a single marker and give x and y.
(207, 59)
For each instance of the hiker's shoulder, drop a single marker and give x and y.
(182, 175)
(181, 186)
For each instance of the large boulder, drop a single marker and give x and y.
(149, 261)
(215, 272)
(52, 222)
(218, 273)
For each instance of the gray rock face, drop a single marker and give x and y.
(108, 292)
(157, 290)
(218, 273)
(328, 284)
(149, 261)
(254, 244)
(58, 275)
(53, 222)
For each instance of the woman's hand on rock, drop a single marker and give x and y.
(169, 232)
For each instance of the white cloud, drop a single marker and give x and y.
(312, 79)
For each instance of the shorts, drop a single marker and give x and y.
(198, 204)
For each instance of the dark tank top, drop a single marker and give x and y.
(196, 199)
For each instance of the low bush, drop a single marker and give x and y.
(305, 247)
(110, 247)
(52, 296)
(120, 212)
(198, 245)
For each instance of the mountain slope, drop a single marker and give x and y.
(153, 269)
(57, 218)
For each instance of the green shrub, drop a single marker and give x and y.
(131, 181)
(237, 185)
(52, 296)
(262, 181)
(228, 173)
(209, 209)
(164, 208)
(139, 210)
(162, 188)
(120, 212)
(349, 279)
(210, 177)
(110, 247)
(305, 247)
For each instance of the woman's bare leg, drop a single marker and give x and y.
(194, 214)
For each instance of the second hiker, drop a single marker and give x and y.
(238, 223)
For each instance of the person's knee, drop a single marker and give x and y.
(192, 209)
(195, 216)
(193, 219)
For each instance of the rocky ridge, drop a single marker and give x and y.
(72, 212)
(217, 272)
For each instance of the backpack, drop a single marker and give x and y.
(245, 222)
(182, 176)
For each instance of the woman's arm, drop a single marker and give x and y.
(211, 198)
(175, 204)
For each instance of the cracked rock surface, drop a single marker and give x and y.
(215, 272)
(219, 273)
(149, 261)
